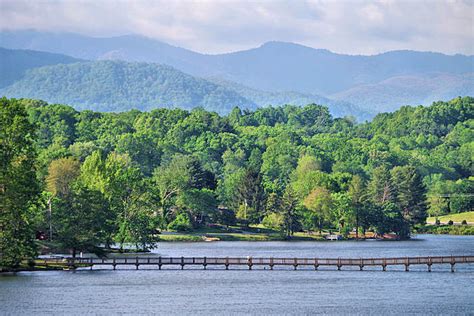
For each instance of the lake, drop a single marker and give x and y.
(239, 291)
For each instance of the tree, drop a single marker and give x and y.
(380, 188)
(199, 203)
(342, 209)
(18, 185)
(410, 194)
(138, 225)
(119, 180)
(80, 219)
(171, 179)
(181, 223)
(251, 196)
(61, 175)
(320, 202)
(288, 209)
(358, 196)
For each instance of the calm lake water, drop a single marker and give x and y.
(258, 291)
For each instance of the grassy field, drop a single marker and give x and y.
(234, 233)
(456, 218)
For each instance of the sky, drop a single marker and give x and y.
(218, 26)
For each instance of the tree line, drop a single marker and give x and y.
(90, 178)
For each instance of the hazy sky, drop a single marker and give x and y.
(214, 26)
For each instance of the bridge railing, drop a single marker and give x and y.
(269, 261)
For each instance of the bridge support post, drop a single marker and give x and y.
(316, 266)
(205, 263)
(182, 263)
(159, 263)
(361, 267)
(429, 267)
(407, 267)
(227, 263)
(249, 262)
(271, 263)
(339, 267)
(384, 267)
(452, 267)
(136, 263)
(114, 266)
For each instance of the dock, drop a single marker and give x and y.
(251, 262)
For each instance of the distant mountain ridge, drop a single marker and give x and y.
(14, 63)
(364, 82)
(119, 86)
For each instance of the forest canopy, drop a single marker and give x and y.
(291, 168)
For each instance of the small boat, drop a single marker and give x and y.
(333, 237)
(210, 238)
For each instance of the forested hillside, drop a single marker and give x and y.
(14, 63)
(121, 86)
(290, 168)
(376, 83)
(389, 94)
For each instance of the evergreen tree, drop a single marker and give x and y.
(410, 194)
(289, 203)
(380, 188)
(251, 196)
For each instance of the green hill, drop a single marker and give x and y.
(14, 63)
(120, 86)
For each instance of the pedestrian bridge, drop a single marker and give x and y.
(251, 262)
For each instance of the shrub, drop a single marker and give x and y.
(450, 222)
(181, 223)
(464, 222)
(437, 222)
(273, 220)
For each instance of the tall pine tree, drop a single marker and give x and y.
(410, 194)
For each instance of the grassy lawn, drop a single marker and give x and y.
(234, 233)
(456, 218)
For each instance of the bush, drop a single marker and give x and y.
(273, 221)
(450, 222)
(464, 222)
(181, 223)
(437, 222)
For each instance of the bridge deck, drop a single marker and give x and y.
(270, 262)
